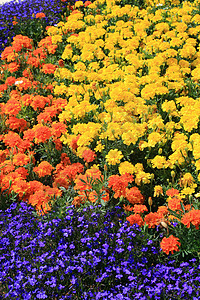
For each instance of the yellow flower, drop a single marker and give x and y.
(126, 167)
(114, 156)
(60, 89)
(186, 180)
(78, 4)
(67, 54)
(158, 191)
(159, 162)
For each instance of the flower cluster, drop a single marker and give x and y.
(86, 255)
(98, 109)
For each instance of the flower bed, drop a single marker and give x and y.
(102, 108)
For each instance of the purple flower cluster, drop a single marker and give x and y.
(86, 255)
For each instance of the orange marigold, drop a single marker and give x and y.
(48, 68)
(43, 169)
(16, 124)
(119, 184)
(172, 192)
(40, 15)
(139, 209)
(191, 217)
(13, 67)
(20, 159)
(162, 210)
(152, 219)
(88, 155)
(135, 219)
(174, 203)
(134, 196)
(170, 244)
(42, 133)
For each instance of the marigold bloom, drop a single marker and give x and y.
(71, 171)
(172, 192)
(134, 196)
(158, 191)
(43, 169)
(88, 155)
(16, 124)
(126, 167)
(170, 244)
(13, 67)
(20, 187)
(174, 203)
(135, 219)
(191, 217)
(48, 68)
(114, 156)
(42, 133)
(139, 209)
(20, 159)
(40, 15)
(162, 210)
(152, 219)
(119, 184)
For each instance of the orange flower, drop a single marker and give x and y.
(20, 159)
(134, 196)
(20, 187)
(9, 54)
(139, 209)
(43, 169)
(152, 219)
(16, 124)
(42, 133)
(39, 102)
(87, 3)
(119, 184)
(40, 200)
(172, 192)
(12, 139)
(135, 219)
(40, 15)
(58, 128)
(170, 244)
(74, 141)
(162, 210)
(88, 155)
(174, 203)
(48, 68)
(191, 217)
(11, 108)
(20, 41)
(13, 67)
(127, 208)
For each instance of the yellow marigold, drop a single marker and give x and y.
(114, 156)
(159, 162)
(158, 191)
(142, 178)
(78, 4)
(68, 52)
(56, 39)
(126, 167)
(186, 180)
(60, 89)
(189, 190)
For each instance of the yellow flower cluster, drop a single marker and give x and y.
(133, 86)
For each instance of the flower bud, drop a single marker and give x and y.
(150, 201)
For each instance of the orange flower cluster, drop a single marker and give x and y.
(119, 184)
